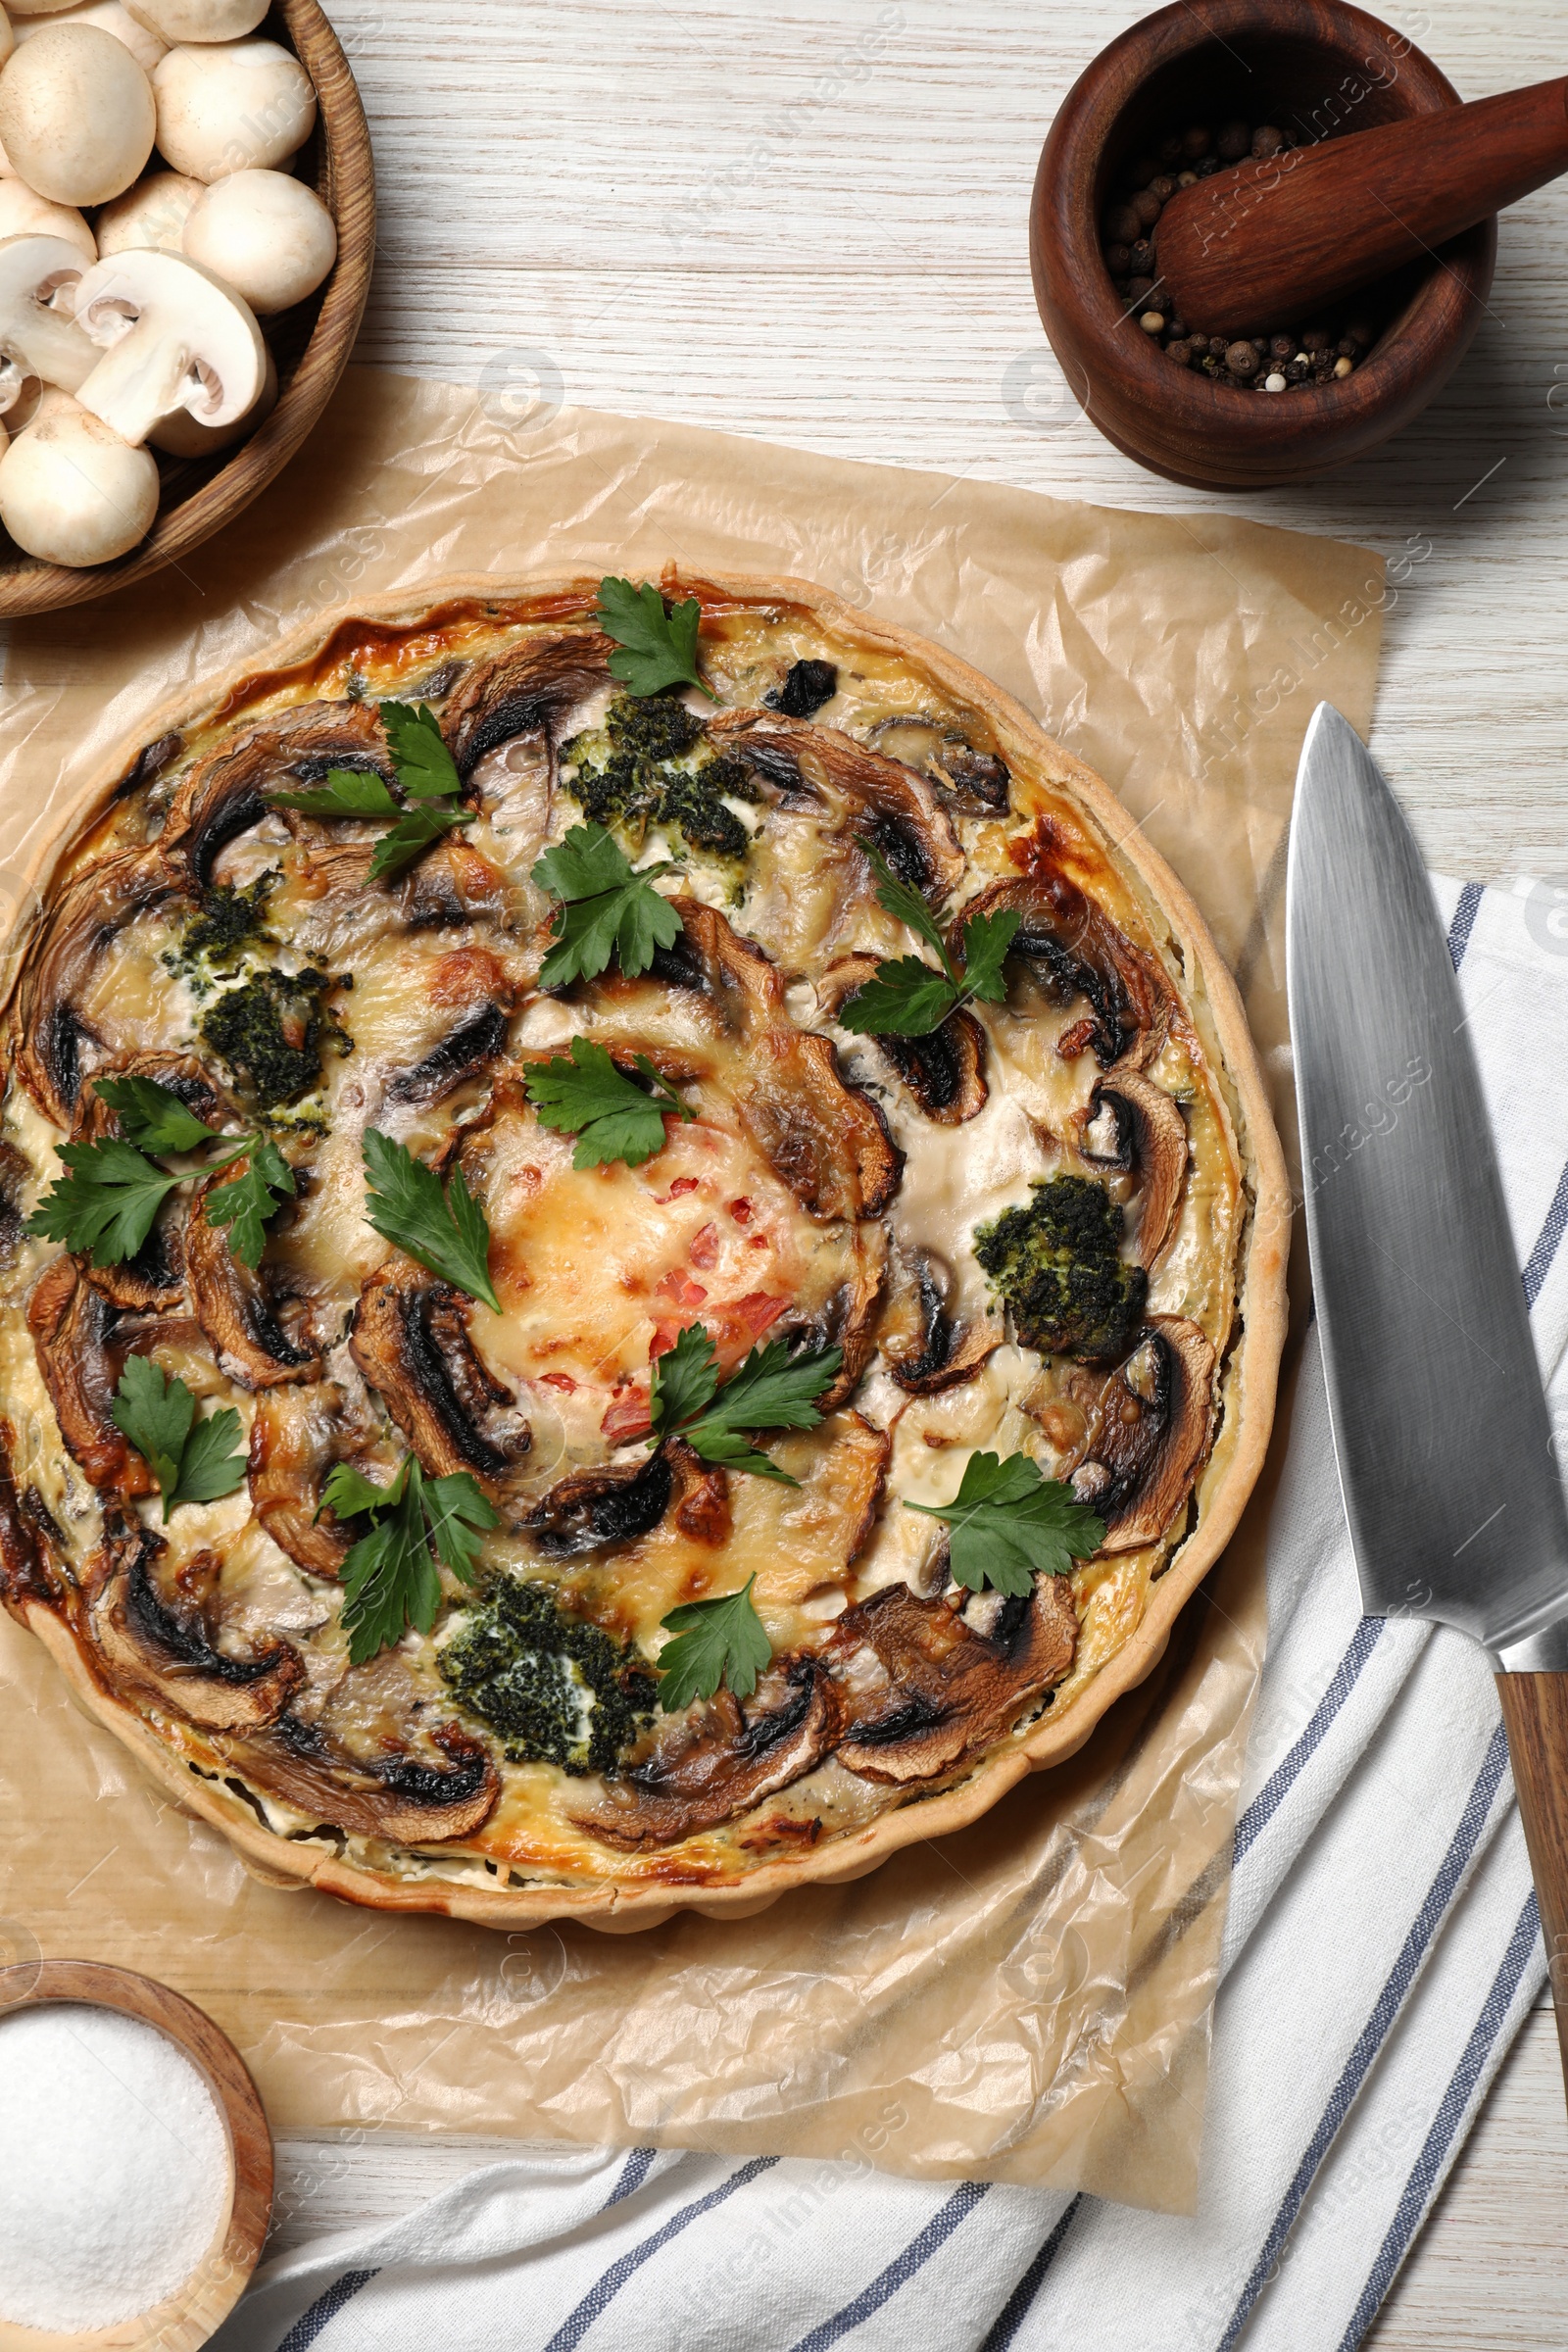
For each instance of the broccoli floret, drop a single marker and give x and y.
(271, 1029)
(229, 917)
(638, 772)
(1058, 1264)
(559, 1689)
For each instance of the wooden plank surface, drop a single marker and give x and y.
(809, 222)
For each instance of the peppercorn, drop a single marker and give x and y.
(1241, 359)
(1118, 260)
(1178, 329)
(1146, 204)
(1362, 337)
(1343, 365)
(1137, 290)
(1187, 179)
(1179, 350)
(1233, 142)
(1282, 347)
(1141, 253)
(1315, 339)
(1152, 323)
(1123, 222)
(1163, 186)
(1274, 381)
(1267, 141)
(1209, 166)
(1218, 346)
(1195, 142)
(1298, 370)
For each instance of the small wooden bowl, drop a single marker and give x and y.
(1315, 68)
(311, 343)
(184, 2320)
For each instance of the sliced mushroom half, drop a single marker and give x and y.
(55, 1043)
(248, 1329)
(410, 1340)
(1145, 1430)
(226, 794)
(73, 1337)
(408, 1797)
(1078, 952)
(592, 1509)
(530, 689)
(976, 777)
(925, 1693)
(297, 1437)
(165, 1649)
(927, 1347)
(721, 1761)
(887, 804)
(475, 1041)
(1134, 1126)
(944, 1071)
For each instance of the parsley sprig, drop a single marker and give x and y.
(1007, 1523)
(720, 1640)
(192, 1460)
(905, 996)
(770, 1390)
(583, 1093)
(445, 1230)
(657, 645)
(606, 908)
(426, 774)
(112, 1189)
(389, 1577)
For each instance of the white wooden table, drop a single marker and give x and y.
(809, 221)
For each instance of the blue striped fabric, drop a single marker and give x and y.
(639, 2163)
(604, 2288)
(1269, 1799)
(1464, 921)
(1010, 2317)
(308, 2327)
(1538, 1265)
(886, 2285)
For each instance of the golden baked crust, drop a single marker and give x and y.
(853, 1180)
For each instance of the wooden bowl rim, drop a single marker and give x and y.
(1187, 401)
(28, 587)
(224, 2271)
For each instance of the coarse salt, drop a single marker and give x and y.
(114, 2167)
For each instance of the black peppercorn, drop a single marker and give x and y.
(1136, 288)
(1123, 225)
(1118, 260)
(1141, 256)
(1282, 347)
(1233, 142)
(1346, 348)
(1296, 370)
(1218, 346)
(1207, 166)
(1315, 339)
(1267, 141)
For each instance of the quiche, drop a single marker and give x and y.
(646, 1427)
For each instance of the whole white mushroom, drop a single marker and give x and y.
(233, 106)
(76, 113)
(152, 213)
(200, 20)
(269, 236)
(72, 491)
(109, 17)
(24, 213)
(183, 435)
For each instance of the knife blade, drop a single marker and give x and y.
(1441, 1430)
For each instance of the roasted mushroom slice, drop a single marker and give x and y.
(1145, 1429)
(936, 748)
(1079, 953)
(593, 1508)
(888, 806)
(297, 1437)
(925, 1693)
(48, 1026)
(529, 690)
(410, 1340)
(154, 1280)
(24, 1558)
(926, 1348)
(944, 1071)
(164, 1647)
(1133, 1125)
(245, 1324)
(73, 1327)
(407, 1798)
(723, 1760)
(226, 794)
(478, 1038)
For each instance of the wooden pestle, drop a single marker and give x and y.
(1267, 244)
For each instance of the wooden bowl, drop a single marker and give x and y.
(1318, 69)
(311, 343)
(184, 2320)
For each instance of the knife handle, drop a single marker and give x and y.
(1535, 1713)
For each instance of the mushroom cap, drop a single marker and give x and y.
(24, 213)
(199, 19)
(231, 106)
(183, 435)
(44, 340)
(34, 8)
(174, 336)
(152, 213)
(72, 491)
(109, 17)
(76, 113)
(268, 236)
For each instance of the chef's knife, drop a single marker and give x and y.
(1440, 1429)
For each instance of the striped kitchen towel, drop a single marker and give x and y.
(1380, 1951)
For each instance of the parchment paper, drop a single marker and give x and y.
(1027, 2001)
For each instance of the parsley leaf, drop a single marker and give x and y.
(715, 1641)
(106, 1200)
(771, 1389)
(413, 834)
(1008, 1521)
(389, 1578)
(606, 910)
(657, 648)
(425, 769)
(588, 1096)
(445, 1230)
(191, 1460)
(347, 792)
(152, 1116)
(245, 1204)
(905, 996)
